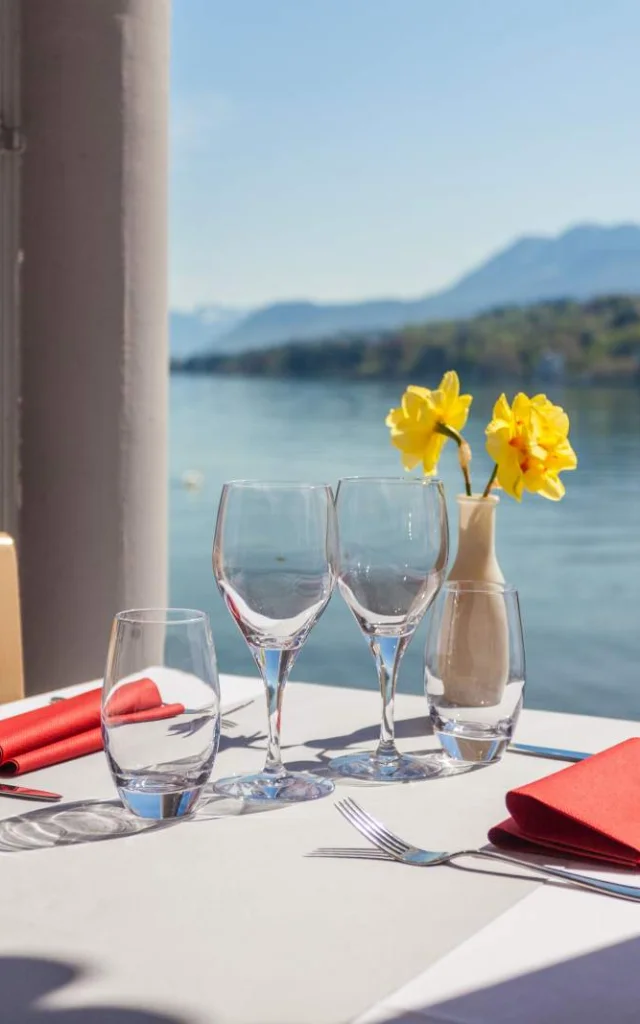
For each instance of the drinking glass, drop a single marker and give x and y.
(274, 556)
(161, 709)
(394, 544)
(475, 670)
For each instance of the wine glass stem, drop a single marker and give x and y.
(274, 665)
(388, 650)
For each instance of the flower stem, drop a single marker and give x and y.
(490, 482)
(464, 453)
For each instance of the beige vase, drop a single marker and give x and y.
(475, 665)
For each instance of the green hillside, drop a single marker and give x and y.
(596, 341)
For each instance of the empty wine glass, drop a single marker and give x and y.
(394, 544)
(161, 709)
(274, 556)
(475, 670)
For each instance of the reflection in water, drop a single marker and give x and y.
(575, 563)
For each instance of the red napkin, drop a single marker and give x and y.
(70, 728)
(591, 809)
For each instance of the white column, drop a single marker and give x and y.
(94, 353)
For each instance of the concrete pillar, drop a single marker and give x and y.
(94, 349)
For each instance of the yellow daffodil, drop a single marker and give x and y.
(425, 419)
(529, 442)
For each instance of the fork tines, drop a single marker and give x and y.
(372, 829)
(350, 853)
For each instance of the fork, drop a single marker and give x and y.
(391, 844)
(225, 721)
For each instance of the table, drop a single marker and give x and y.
(225, 918)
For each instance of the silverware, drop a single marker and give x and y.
(238, 707)
(229, 723)
(554, 753)
(350, 853)
(225, 722)
(23, 793)
(391, 844)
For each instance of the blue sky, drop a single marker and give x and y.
(343, 149)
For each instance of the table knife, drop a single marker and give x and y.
(23, 793)
(553, 753)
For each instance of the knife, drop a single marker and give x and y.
(554, 753)
(28, 794)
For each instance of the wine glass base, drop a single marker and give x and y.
(443, 765)
(266, 786)
(369, 766)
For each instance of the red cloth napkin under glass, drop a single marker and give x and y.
(591, 809)
(71, 728)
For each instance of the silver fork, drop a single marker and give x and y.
(391, 844)
(225, 722)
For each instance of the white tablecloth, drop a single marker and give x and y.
(226, 918)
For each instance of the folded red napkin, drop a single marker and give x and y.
(591, 809)
(70, 728)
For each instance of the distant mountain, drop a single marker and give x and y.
(597, 341)
(198, 331)
(308, 321)
(584, 262)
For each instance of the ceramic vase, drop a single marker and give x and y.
(476, 669)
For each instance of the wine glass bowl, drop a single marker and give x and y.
(388, 602)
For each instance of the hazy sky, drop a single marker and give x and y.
(342, 149)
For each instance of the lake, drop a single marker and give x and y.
(576, 563)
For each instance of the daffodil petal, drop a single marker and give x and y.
(520, 407)
(459, 414)
(431, 453)
(394, 418)
(449, 387)
(502, 409)
(563, 457)
(425, 393)
(412, 404)
(552, 487)
(510, 475)
(497, 441)
(411, 460)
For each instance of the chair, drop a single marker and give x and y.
(11, 665)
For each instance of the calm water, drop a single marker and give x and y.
(576, 563)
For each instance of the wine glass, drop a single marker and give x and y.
(394, 544)
(274, 556)
(474, 671)
(161, 709)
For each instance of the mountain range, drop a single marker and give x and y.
(200, 330)
(584, 262)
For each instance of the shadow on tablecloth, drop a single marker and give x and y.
(25, 982)
(325, 749)
(418, 727)
(591, 989)
(92, 821)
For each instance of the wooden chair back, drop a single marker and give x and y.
(11, 663)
